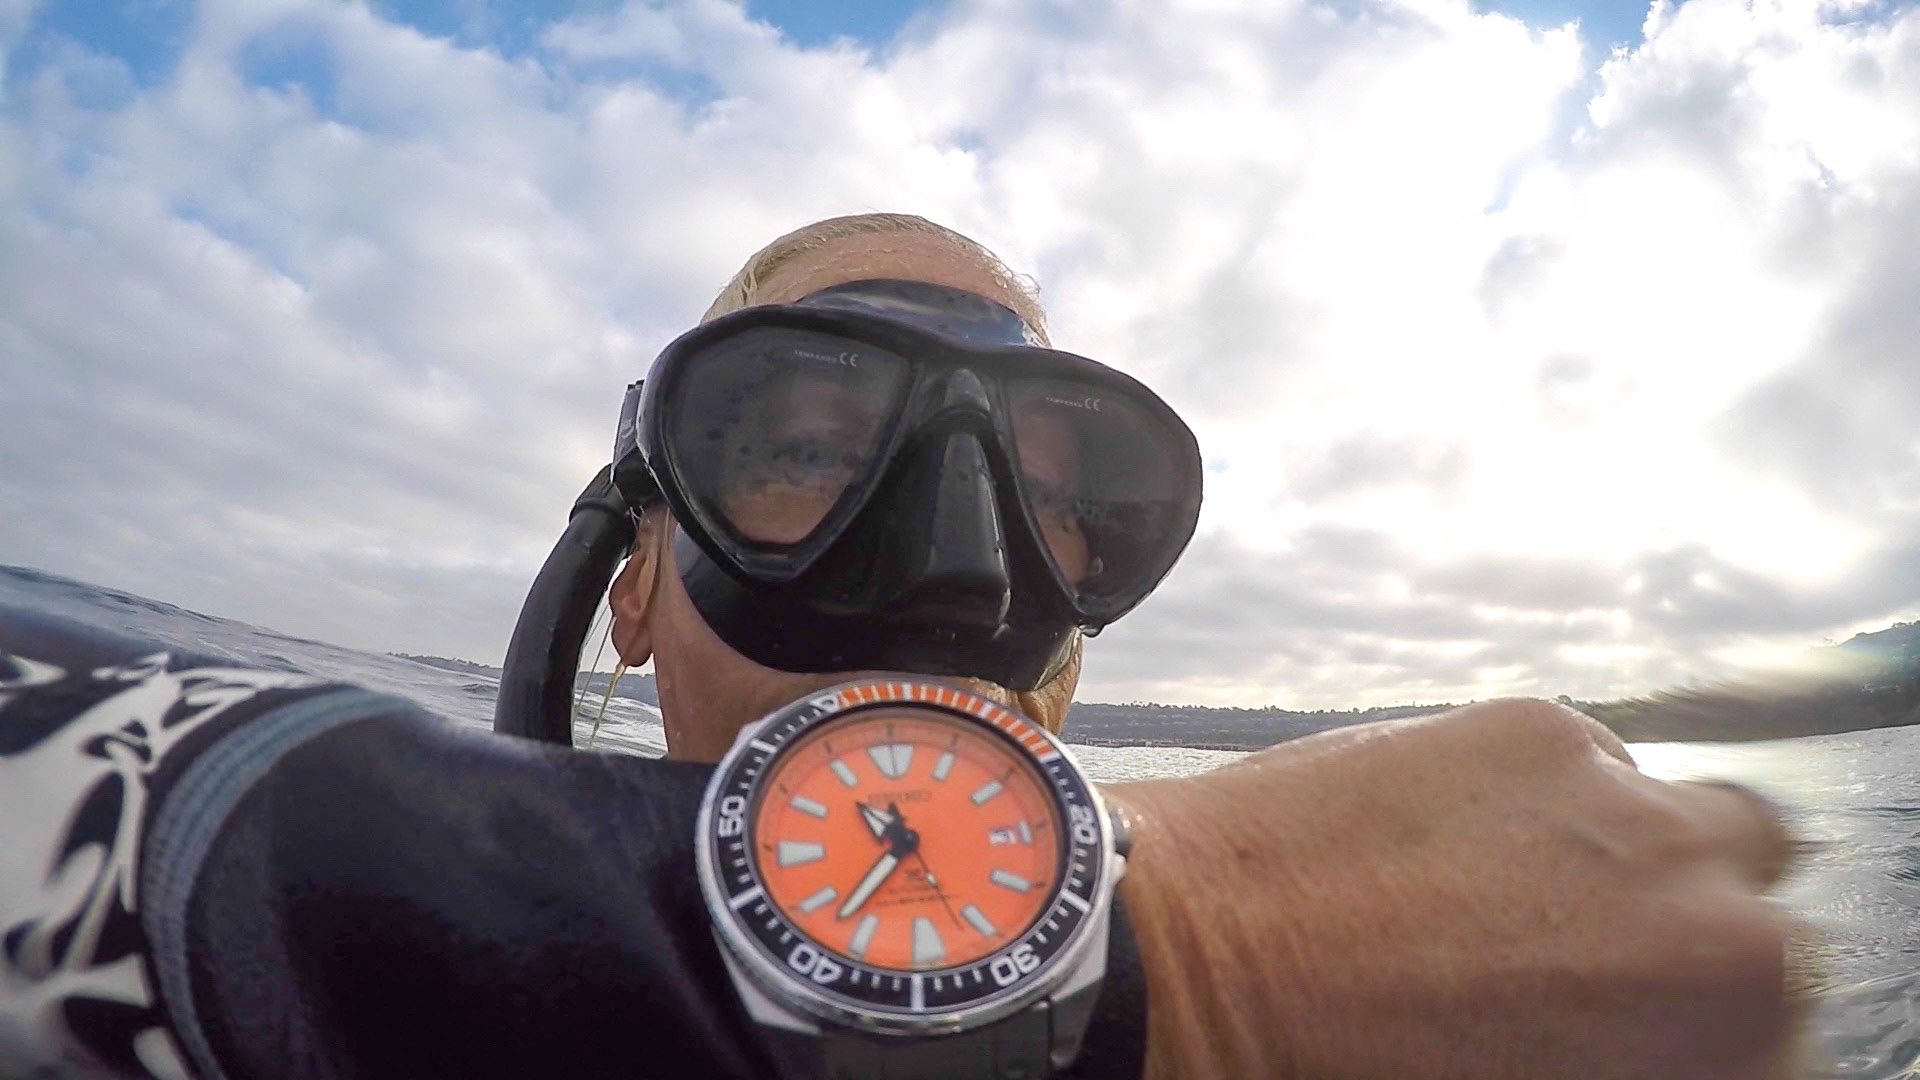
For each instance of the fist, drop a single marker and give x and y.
(1493, 893)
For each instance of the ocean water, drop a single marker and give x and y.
(1856, 795)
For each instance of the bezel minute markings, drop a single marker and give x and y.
(761, 886)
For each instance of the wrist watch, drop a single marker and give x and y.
(909, 881)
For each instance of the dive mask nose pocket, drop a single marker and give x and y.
(944, 536)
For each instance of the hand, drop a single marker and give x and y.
(879, 872)
(1494, 894)
(926, 873)
(877, 821)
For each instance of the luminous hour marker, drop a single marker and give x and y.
(807, 806)
(799, 852)
(862, 937)
(845, 774)
(980, 921)
(821, 899)
(928, 949)
(1026, 834)
(987, 791)
(944, 766)
(1007, 880)
(891, 759)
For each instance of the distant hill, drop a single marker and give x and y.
(1898, 645)
(1871, 680)
(632, 687)
(465, 667)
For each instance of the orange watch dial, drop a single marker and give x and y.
(908, 841)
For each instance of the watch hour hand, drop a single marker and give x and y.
(882, 867)
(877, 821)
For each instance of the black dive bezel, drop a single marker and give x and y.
(803, 973)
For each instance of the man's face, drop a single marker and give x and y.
(780, 490)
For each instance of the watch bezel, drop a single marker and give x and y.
(729, 877)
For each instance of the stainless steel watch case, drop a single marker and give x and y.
(1066, 985)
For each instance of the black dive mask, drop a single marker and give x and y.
(891, 475)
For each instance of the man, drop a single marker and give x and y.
(312, 882)
(1380, 849)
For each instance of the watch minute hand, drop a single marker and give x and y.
(881, 868)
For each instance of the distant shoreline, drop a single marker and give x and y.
(1874, 683)
(1871, 681)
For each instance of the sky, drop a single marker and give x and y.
(1533, 347)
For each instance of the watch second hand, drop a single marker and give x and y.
(937, 890)
(893, 810)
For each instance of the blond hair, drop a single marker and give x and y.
(744, 290)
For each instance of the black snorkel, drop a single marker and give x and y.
(537, 679)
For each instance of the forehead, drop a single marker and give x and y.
(907, 256)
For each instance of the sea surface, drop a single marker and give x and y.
(1856, 795)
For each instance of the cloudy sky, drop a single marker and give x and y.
(1534, 346)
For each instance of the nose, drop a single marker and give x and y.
(955, 551)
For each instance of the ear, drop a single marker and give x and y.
(1048, 704)
(631, 595)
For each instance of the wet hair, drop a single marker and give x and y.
(744, 290)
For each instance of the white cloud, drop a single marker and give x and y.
(1491, 405)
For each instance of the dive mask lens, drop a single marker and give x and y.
(776, 430)
(1110, 484)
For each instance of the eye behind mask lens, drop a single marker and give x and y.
(1101, 477)
(775, 426)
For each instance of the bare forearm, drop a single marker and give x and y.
(1196, 1025)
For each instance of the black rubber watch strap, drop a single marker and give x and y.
(1012, 1049)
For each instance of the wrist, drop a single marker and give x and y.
(1186, 916)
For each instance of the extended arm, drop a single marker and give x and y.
(233, 873)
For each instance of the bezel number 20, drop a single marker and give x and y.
(733, 815)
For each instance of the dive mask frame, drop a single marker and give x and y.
(953, 387)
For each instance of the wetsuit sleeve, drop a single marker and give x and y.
(240, 874)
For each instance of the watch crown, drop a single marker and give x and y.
(1121, 825)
